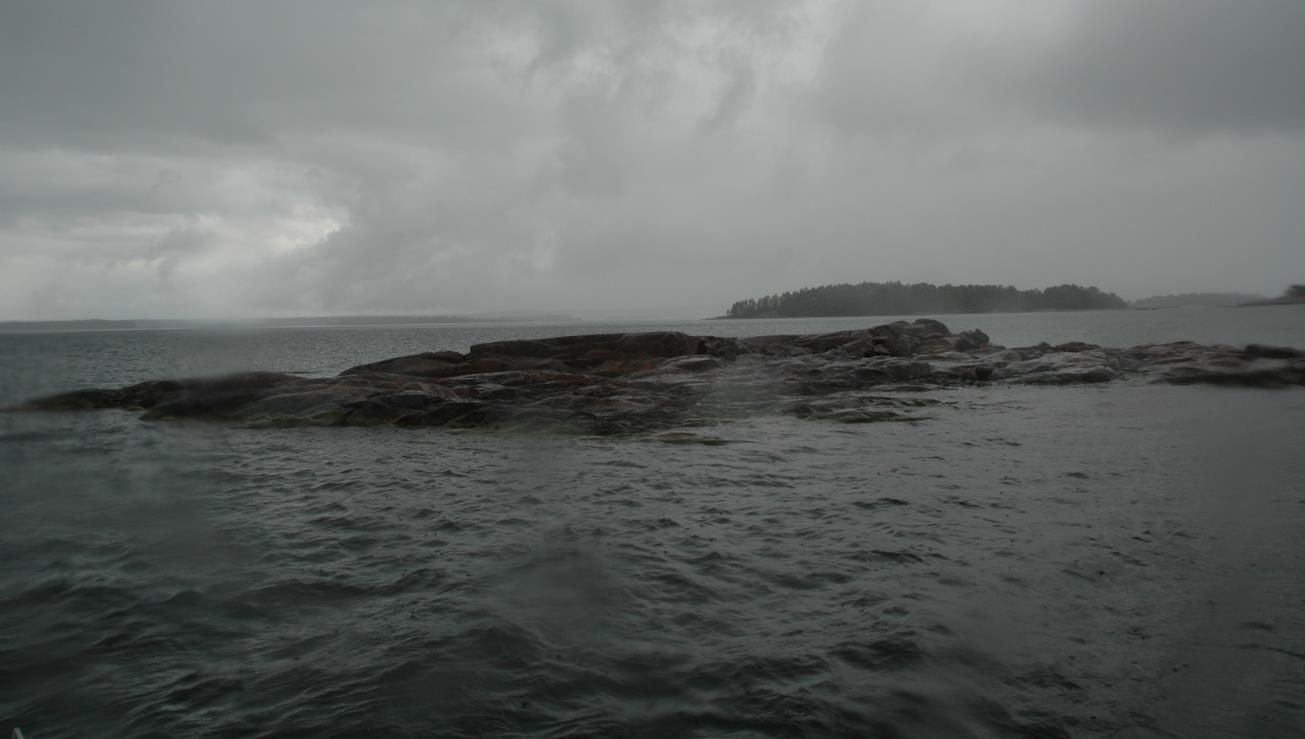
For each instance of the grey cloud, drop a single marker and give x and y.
(1200, 66)
(245, 74)
(581, 155)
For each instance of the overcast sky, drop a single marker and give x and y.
(638, 157)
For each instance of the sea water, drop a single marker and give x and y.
(1117, 560)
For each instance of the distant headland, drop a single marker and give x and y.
(1195, 300)
(1294, 295)
(900, 299)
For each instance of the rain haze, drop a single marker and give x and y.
(638, 158)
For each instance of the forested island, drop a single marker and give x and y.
(898, 299)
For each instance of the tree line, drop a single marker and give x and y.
(896, 298)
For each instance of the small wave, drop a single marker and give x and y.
(890, 653)
(885, 502)
(23, 437)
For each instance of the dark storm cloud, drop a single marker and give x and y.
(165, 158)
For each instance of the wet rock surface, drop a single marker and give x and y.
(636, 382)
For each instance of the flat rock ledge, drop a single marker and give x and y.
(655, 381)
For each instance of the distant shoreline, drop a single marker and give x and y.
(1272, 301)
(155, 324)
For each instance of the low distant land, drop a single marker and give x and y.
(1294, 295)
(1196, 300)
(297, 322)
(900, 299)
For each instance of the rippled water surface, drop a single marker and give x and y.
(1102, 561)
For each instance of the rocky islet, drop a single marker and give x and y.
(655, 381)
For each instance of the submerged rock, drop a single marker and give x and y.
(636, 382)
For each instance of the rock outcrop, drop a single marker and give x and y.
(619, 383)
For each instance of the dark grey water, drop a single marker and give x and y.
(1104, 561)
